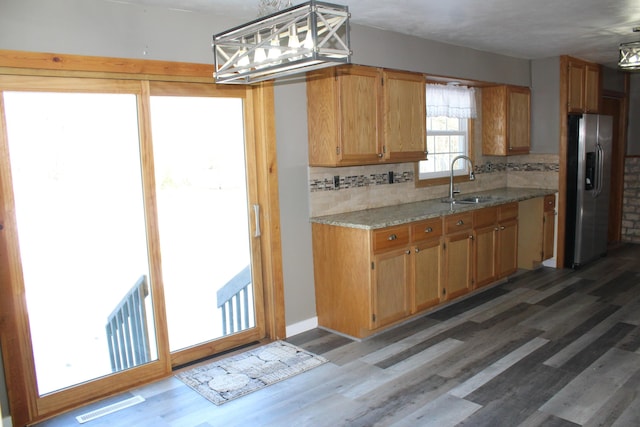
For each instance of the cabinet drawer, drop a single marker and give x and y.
(508, 211)
(458, 222)
(390, 237)
(485, 217)
(425, 230)
(549, 202)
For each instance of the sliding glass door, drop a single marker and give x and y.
(81, 230)
(132, 227)
(205, 218)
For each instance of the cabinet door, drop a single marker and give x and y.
(507, 248)
(427, 274)
(457, 261)
(592, 88)
(359, 115)
(575, 87)
(519, 120)
(404, 119)
(485, 255)
(390, 283)
(549, 226)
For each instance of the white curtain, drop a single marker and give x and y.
(451, 101)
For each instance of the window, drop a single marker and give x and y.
(450, 109)
(447, 137)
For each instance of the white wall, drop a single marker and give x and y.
(545, 105)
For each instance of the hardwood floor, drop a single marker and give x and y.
(546, 348)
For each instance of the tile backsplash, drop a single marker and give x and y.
(346, 189)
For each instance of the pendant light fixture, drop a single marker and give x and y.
(291, 41)
(629, 58)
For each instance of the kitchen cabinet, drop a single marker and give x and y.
(506, 120)
(427, 264)
(404, 118)
(496, 243)
(391, 275)
(548, 226)
(583, 86)
(361, 115)
(537, 229)
(343, 112)
(486, 244)
(369, 279)
(507, 259)
(457, 255)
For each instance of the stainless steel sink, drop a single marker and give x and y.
(468, 200)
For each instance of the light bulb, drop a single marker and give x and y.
(260, 56)
(294, 43)
(274, 50)
(244, 58)
(308, 41)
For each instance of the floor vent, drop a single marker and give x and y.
(109, 409)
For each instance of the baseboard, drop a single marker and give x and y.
(6, 422)
(303, 326)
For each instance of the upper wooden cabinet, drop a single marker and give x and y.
(363, 115)
(583, 86)
(506, 120)
(404, 118)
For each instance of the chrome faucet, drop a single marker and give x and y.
(471, 175)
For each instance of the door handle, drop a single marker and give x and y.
(600, 172)
(256, 214)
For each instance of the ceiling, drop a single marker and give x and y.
(530, 29)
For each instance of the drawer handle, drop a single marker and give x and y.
(460, 222)
(428, 230)
(392, 237)
(502, 227)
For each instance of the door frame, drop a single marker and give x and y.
(25, 406)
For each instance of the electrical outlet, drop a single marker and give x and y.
(336, 181)
(390, 177)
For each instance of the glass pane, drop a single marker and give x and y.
(203, 217)
(75, 163)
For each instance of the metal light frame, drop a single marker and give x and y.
(629, 58)
(295, 40)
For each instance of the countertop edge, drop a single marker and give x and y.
(388, 216)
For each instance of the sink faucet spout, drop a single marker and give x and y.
(471, 174)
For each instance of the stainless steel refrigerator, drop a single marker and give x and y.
(588, 187)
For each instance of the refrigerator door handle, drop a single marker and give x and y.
(600, 171)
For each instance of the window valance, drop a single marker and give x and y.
(451, 101)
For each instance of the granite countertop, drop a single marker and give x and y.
(371, 219)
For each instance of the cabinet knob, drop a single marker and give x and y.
(495, 229)
(380, 155)
(428, 230)
(470, 236)
(460, 222)
(502, 227)
(392, 237)
(417, 250)
(408, 252)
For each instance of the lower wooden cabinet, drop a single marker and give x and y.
(426, 283)
(507, 259)
(496, 243)
(536, 237)
(391, 280)
(367, 280)
(549, 227)
(458, 253)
